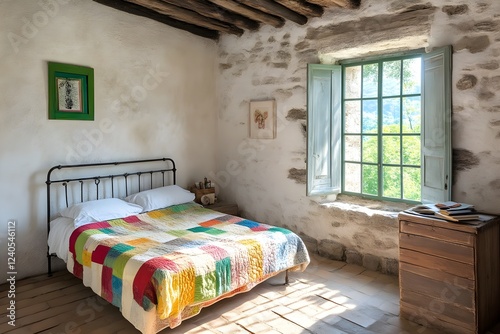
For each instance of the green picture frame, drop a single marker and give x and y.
(71, 92)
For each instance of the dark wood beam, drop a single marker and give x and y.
(302, 7)
(352, 4)
(250, 12)
(274, 8)
(188, 16)
(211, 10)
(153, 15)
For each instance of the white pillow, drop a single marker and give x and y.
(159, 198)
(99, 210)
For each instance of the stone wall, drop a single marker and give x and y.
(267, 177)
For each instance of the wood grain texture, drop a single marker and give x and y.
(188, 16)
(438, 248)
(439, 233)
(209, 18)
(153, 15)
(450, 273)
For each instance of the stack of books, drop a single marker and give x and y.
(450, 211)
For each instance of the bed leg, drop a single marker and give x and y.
(49, 265)
(286, 277)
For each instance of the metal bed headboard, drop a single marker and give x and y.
(84, 183)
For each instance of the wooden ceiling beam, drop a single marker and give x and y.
(153, 15)
(252, 13)
(274, 8)
(188, 16)
(211, 10)
(352, 4)
(303, 7)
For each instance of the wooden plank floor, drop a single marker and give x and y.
(329, 297)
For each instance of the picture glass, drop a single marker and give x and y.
(69, 95)
(262, 119)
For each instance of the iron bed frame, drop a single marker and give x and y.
(114, 181)
(95, 181)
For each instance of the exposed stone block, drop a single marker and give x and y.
(296, 114)
(331, 250)
(225, 66)
(455, 10)
(353, 257)
(284, 55)
(468, 81)
(390, 266)
(491, 65)
(473, 44)
(412, 22)
(311, 243)
(371, 262)
(279, 65)
(464, 159)
(299, 175)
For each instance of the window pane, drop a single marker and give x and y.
(370, 116)
(411, 114)
(353, 82)
(392, 182)
(370, 180)
(370, 80)
(391, 150)
(352, 148)
(391, 81)
(352, 178)
(411, 181)
(370, 149)
(391, 115)
(352, 116)
(412, 76)
(411, 150)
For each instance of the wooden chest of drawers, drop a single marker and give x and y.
(449, 273)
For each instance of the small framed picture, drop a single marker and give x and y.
(71, 92)
(263, 119)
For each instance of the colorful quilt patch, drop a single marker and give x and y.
(183, 258)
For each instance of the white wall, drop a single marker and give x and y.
(154, 96)
(271, 63)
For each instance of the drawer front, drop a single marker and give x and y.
(434, 232)
(437, 263)
(438, 275)
(444, 292)
(448, 312)
(431, 319)
(444, 249)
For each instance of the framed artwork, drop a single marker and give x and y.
(71, 92)
(263, 119)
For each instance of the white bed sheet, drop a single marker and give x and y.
(58, 240)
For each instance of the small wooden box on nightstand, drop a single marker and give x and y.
(224, 207)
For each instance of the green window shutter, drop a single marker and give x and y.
(324, 129)
(436, 126)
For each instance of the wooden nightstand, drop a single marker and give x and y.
(449, 273)
(224, 207)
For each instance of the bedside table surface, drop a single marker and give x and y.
(224, 207)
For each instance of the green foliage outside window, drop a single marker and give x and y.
(382, 114)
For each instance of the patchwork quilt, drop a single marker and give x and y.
(168, 264)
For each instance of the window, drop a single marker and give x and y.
(381, 128)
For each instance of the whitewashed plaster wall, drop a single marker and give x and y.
(267, 177)
(154, 96)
